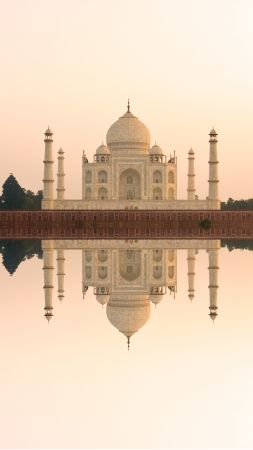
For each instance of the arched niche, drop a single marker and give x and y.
(102, 272)
(88, 255)
(157, 255)
(157, 176)
(88, 177)
(171, 194)
(157, 193)
(130, 264)
(171, 178)
(88, 193)
(171, 271)
(102, 176)
(157, 272)
(88, 271)
(130, 185)
(170, 255)
(102, 255)
(102, 194)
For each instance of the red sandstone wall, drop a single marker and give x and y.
(124, 224)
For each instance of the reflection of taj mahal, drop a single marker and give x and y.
(127, 277)
(128, 172)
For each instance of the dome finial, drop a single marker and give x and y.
(128, 106)
(128, 342)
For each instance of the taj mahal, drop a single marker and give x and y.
(128, 173)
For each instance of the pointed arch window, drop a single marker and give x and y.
(157, 194)
(171, 194)
(102, 176)
(157, 177)
(88, 193)
(171, 177)
(88, 176)
(102, 194)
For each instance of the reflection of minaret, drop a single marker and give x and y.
(60, 273)
(48, 281)
(191, 272)
(84, 290)
(84, 281)
(213, 282)
(191, 176)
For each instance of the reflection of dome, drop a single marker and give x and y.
(103, 298)
(103, 150)
(128, 315)
(156, 150)
(156, 298)
(128, 132)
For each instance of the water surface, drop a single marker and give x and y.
(186, 381)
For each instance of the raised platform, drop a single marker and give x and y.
(125, 224)
(150, 205)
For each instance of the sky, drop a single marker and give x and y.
(186, 65)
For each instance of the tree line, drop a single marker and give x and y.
(232, 204)
(14, 252)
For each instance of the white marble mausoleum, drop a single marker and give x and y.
(128, 173)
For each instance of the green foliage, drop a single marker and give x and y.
(16, 197)
(232, 204)
(205, 224)
(232, 244)
(15, 251)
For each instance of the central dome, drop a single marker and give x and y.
(128, 132)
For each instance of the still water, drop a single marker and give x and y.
(126, 344)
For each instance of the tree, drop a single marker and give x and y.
(205, 224)
(16, 251)
(13, 195)
(232, 204)
(16, 197)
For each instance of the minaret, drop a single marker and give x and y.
(48, 181)
(191, 176)
(213, 282)
(84, 161)
(48, 282)
(60, 176)
(191, 272)
(213, 167)
(60, 273)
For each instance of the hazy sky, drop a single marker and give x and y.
(185, 64)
